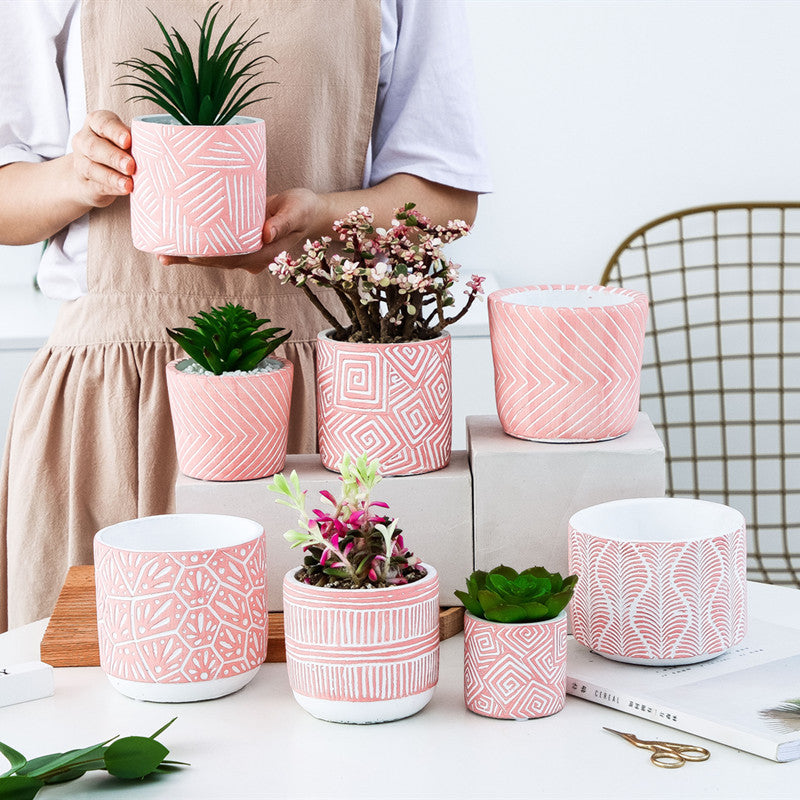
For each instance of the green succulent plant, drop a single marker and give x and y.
(214, 91)
(227, 338)
(505, 595)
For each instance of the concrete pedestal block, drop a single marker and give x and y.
(434, 512)
(525, 492)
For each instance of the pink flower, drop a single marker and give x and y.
(475, 285)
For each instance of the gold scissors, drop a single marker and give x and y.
(669, 755)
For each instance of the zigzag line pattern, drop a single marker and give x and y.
(230, 427)
(364, 645)
(658, 600)
(198, 190)
(392, 401)
(515, 671)
(567, 374)
(181, 617)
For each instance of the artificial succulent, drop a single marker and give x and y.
(505, 595)
(228, 339)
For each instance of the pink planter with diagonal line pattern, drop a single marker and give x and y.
(567, 360)
(230, 427)
(198, 190)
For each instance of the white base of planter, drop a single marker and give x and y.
(565, 441)
(364, 713)
(182, 692)
(662, 662)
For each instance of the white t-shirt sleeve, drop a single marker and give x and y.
(426, 120)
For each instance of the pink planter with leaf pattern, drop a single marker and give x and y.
(662, 580)
(515, 670)
(391, 401)
(362, 655)
(198, 190)
(181, 605)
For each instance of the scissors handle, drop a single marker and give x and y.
(667, 758)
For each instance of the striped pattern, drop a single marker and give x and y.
(515, 670)
(362, 645)
(198, 189)
(230, 427)
(181, 617)
(392, 401)
(658, 600)
(567, 374)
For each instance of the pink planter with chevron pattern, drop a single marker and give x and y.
(515, 670)
(362, 655)
(181, 605)
(230, 427)
(662, 580)
(198, 190)
(567, 360)
(391, 401)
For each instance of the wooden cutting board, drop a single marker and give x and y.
(71, 636)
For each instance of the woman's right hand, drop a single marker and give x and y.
(101, 159)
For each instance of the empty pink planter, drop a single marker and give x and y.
(391, 401)
(198, 190)
(662, 580)
(181, 605)
(362, 655)
(567, 360)
(230, 427)
(515, 670)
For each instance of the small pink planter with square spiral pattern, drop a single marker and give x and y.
(391, 401)
(515, 670)
(198, 190)
(567, 360)
(362, 655)
(181, 605)
(662, 580)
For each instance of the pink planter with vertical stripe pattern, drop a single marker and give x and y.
(567, 360)
(230, 427)
(362, 655)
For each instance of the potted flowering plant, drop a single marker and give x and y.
(515, 642)
(383, 379)
(361, 615)
(192, 160)
(230, 399)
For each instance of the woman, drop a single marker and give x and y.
(372, 108)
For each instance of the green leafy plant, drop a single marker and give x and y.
(214, 91)
(505, 595)
(228, 338)
(351, 546)
(128, 758)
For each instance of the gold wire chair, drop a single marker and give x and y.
(721, 375)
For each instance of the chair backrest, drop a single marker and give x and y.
(721, 375)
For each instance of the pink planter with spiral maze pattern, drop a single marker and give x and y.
(362, 655)
(567, 360)
(198, 190)
(662, 580)
(515, 670)
(391, 401)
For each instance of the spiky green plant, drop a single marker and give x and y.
(227, 338)
(504, 595)
(211, 92)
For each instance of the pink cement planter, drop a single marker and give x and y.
(567, 360)
(230, 427)
(662, 580)
(198, 190)
(362, 655)
(392, 401)
(181, 605)
(515, 670)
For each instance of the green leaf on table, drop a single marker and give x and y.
(163, 728)
(57, 761)
(134, 757)
(19, 787)
(15, 758)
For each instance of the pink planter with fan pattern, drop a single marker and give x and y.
(662, 580)
(391, 401)
(567, 360)
(198, 190)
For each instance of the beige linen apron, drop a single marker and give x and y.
(91, 437)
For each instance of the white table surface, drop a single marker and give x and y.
(258, 743)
